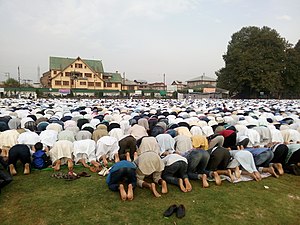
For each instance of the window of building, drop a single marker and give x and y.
(71, 66)
(82, 83)
(108, 85)
(78, 65)
(66, 83)
(57, 82)
(98, 84)
(116, 85)
(84, 67)
(88, 75)
(54, 71)
(67, 74)
(91, 84)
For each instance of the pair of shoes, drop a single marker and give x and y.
(103, 172)
(180, 211)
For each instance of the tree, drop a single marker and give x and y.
(291, 77)
(254, 62)
(11, 82)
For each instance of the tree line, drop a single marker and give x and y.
(260, 63)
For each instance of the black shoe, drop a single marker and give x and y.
(180, 212)
(170, 210)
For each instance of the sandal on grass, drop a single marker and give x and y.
(58, 175)
(83, 174)
(69, 177)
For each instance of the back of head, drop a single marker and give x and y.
(38, 146)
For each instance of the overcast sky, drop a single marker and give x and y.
(143, 38)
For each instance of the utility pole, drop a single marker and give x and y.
(19, 77)
(123, 84)
(38, 73)
(164, 81)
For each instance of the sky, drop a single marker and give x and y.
(144, 39)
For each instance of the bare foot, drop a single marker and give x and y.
(181, 186)
(128, 156)
(230, 175)
(253, 176)
(57, 165)
(12, 170)
(164, 187)
(257, 175)
(205, 183)
(188, 185)
(123, 194)
(271, 171)
(135, 155)
(130, 192)
(279, 168)
(95, 163)
(105, 163)
(70, 164)
(117, 158)
(84, 163)
(26, 169)
(217, 178)
(237, 172)
(154, 191)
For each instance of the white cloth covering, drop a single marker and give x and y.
(28, 138)
(9, 138)
(148, 144)
(244, 158)
(116, 133)
(183, 144)
(48, 137)
(166, 143)
(172, 158)
(62, 150)
(108, 146)
(84, 149)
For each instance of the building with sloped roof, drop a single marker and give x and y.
(179, 84)
(202, 80)
(77, 73)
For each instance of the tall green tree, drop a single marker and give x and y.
(291, 76)
(254, 62)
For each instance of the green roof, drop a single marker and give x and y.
(202, 78)
(59, 63)
(115, 77)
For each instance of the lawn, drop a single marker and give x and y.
(40, 199)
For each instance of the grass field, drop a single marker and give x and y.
(40, 199)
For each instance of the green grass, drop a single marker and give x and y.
(40, 199)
